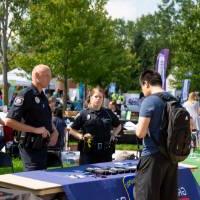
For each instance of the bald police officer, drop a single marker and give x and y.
(31, 115)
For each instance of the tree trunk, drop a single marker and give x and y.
(4, 51)
(5, 67)
(5, 82)
(65, 91)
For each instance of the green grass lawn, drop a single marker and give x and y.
(129, 147)
(17, 164)
(18, 167)
(194, 159)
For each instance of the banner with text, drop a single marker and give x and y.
(161, 65)
(185, 90)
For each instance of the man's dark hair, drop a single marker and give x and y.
(58, 112)
(152, 77)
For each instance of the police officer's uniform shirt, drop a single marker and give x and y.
(32, 107)
(98, 123)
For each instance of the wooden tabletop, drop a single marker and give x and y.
(191, 167)
(36, 187)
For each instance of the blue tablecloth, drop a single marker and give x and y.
(79, 185)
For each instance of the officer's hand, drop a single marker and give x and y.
(53, 139)
(113, 138)
(43, 131)
(87, 136)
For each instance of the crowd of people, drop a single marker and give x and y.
(42, 124)
(192, 106)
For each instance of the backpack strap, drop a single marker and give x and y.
(165, 99)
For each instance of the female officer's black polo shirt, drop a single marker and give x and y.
(98, 123)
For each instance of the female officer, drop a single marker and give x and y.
(93, 127)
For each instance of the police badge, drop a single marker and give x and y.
(37, 100)
(88, 117)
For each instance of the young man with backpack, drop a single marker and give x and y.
(156, 176)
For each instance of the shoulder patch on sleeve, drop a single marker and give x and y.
(18, 101)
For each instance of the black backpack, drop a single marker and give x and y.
(175, 135)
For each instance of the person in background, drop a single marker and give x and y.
(13, 98)
(58, 93)
(156, 176)
(192, 106)
(70, 105)
(61, 127)
(1, 98)
(106, 99)
(2, 142)
(52, 103)
(95, 128)
(113, 106)
(59, 122)
(31, 114)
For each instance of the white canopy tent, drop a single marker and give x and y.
(17, 77)
(170, 88)
(169, 80)
(52, 84)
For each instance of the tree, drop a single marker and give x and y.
(128, 77)
(77, 39)
(147, 36)
(186, 41)
(11, 13)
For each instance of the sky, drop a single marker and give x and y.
(131, 9)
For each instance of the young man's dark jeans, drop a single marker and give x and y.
(156, 179)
